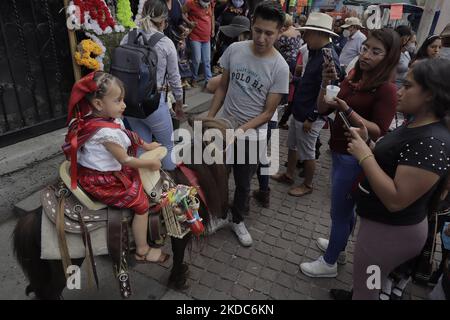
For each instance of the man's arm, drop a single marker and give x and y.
(272, 102)
(219, 95)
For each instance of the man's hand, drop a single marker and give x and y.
(178, 108)
(192, 24)
(307, 125)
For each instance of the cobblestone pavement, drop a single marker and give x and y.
(284, 235)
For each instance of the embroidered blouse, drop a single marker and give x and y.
(93, 154)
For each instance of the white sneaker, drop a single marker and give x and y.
(242, 233)
(215, 224)
(323, 245)
(319, 269)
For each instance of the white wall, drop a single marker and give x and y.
(444, 17)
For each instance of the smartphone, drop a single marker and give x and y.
(328, 57)
(345, 120)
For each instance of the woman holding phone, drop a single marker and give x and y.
(406, 173)
(366, 95)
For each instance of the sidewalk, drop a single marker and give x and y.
(284, 236)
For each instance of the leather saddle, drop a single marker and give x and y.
(77, 205)
(73, 211)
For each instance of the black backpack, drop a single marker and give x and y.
(135, 64)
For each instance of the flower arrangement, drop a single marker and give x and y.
(91, 15)
(99, 42)
(124, 14)
(83, 54)
(139, 12)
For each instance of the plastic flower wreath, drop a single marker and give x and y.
(124, 14)
(83, 54)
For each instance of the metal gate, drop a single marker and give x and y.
(36, 73)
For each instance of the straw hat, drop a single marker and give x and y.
(318, 21)
(352, 21)
(446, 32)
(150, 178)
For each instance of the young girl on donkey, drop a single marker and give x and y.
(101, 152)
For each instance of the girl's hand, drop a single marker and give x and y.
(357, 147)
(340, 104)
(153, 164)
(361, 131)
(151, 146)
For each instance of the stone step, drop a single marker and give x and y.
(29, 204)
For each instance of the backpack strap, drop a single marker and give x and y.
(134, 35)
(153, 40)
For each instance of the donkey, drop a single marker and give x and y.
(47, 278)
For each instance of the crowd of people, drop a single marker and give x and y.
(390, 142)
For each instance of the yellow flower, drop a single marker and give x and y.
(83, 55)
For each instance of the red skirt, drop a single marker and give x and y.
(122, 189)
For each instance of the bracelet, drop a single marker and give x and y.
(365, 158)
(348, 112)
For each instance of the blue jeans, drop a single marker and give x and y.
(264, 179)
(201, 51)
(345, 170)
(158, 124)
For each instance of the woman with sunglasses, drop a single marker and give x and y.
(368, 95)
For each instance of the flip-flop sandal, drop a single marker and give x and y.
(143, 257)
(283, 178)
(384, 295)
(397, 293)
(300, 194)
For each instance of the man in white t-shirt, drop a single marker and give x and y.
(254, 80)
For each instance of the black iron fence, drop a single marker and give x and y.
(36, 73)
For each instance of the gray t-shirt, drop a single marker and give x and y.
(252, 78)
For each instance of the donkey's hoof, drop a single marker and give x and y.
(178, 278)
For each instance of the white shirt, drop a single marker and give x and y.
(93, 154)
